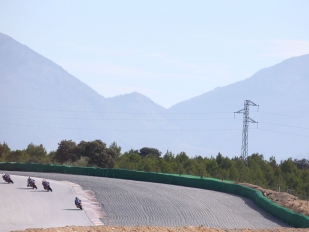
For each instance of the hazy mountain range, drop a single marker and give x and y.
(43, 104)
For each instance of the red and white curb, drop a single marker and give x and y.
(91, 206)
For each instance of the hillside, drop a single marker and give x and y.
(280, 91)
(45, 104)
(42, 103)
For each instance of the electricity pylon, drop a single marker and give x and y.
(246, 120)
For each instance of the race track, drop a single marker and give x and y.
(23, 207)
(133, 203)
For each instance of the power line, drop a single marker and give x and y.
(135, 119)
(123, 112)
(99, 129)
(280, 132)
(130, 119)
(111, 112)
(284, 115)
(299, 127)
(76, 128)
(115, 119)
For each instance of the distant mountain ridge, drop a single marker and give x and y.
(45, 104)
(280, 91)
(136, 102)
(18, 63)
(42, 103)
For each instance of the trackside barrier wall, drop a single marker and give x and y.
(284, 214)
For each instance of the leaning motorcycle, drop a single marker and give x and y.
(32, 185)
(79, 205)
(47, 187)
(7, 179)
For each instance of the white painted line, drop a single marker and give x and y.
(90, 204)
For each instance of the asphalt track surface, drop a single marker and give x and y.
(22, 207)
(135, 203)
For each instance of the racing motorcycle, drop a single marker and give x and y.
(46, 186)
(7, 178)
(79, 205)
(31, 183)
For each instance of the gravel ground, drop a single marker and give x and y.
(134, 203)
(157, 229)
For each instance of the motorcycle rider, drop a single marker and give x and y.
(45, 183)
(77, 201)
(30, 182)
(5, 176)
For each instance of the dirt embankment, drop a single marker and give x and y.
(284, 199)
(152, 229)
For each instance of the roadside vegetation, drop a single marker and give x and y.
(270, 174)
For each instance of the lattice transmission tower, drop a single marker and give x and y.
(246, 120)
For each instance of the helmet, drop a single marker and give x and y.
(43, 181)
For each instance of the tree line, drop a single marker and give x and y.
(94, 153)
(271, 174)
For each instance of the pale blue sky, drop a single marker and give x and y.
(169, 51)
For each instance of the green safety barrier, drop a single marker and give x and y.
(283, 214)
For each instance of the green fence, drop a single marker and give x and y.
(284, 214)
